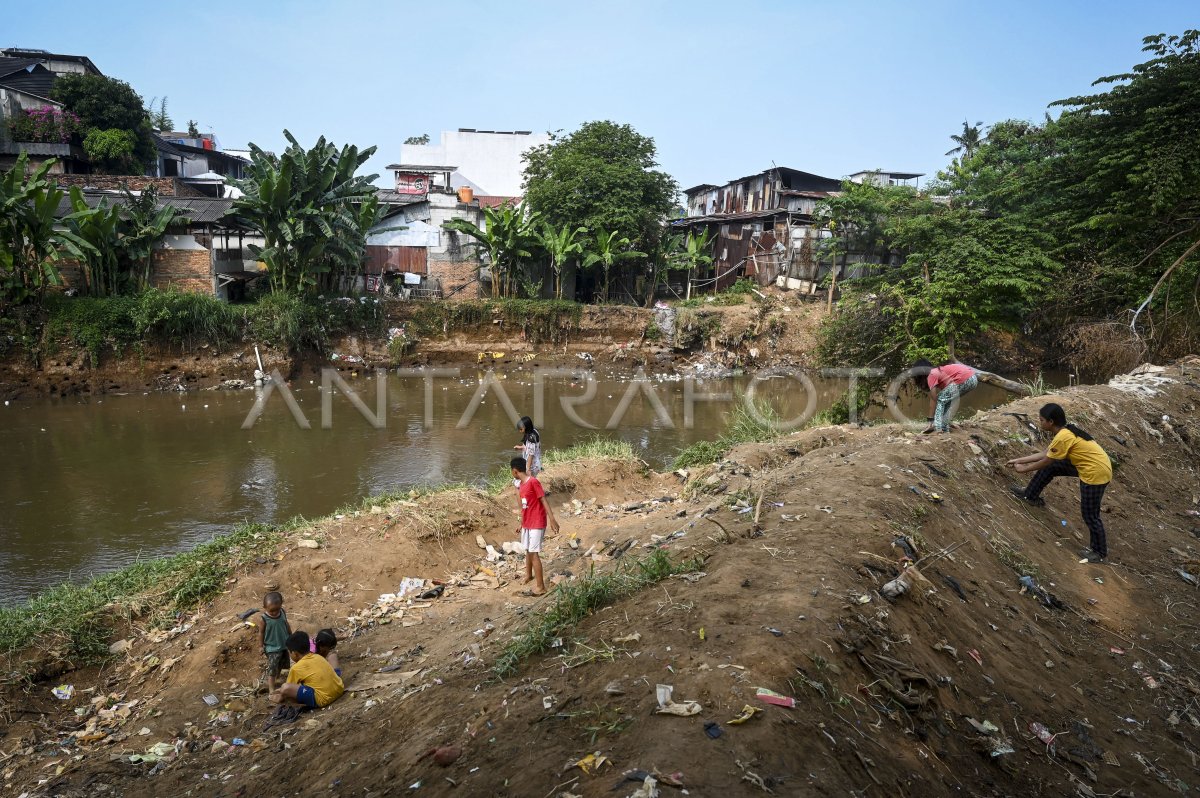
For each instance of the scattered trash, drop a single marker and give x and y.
(237, 741)
(864, 599)
(973, 654)
(897, 587)
(1115, 650)
(1030, 585)
(649, 789)
(409, 584)
(629, 638)
(1043, 734)
(1150, 681)
(774, 631)
(748, 712)
(155, 753)
(713, 729)
(614, 688)
(211, 700)
(1001, 747)
(64, 692)
(905, 546)
(308, 543)
(935, 498)
(772, 697)
(433, 592)
(547, 702)
(592, 763)
(1185, 576)
(120, 647)
(987, 727)
(668, 706)
(942, 645)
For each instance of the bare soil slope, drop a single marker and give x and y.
(935, 693)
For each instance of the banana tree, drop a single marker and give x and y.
(32, 240)
(694, 252)
(100, 227)
(312, 211)
(560, 244)
(143, 225)
(607, 250)
(509, 236)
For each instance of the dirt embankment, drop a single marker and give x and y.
(964, 685)
(777, 331)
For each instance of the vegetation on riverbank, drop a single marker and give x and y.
(72, 624)
(745, 426)
(113, 326)
(539, 320)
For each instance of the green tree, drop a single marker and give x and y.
(160, 120)
(107, 104)
(143, 224)
(421, 139)
(608, 249)
(691, 253)
(312, 211)
(601, 177)
(1126, 185)
(509, 236)
(32, 239)
(561, 245)
(193, 131)
(111, 151)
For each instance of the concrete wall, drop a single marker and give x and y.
(491, 161)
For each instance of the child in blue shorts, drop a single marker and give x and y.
(311, 681)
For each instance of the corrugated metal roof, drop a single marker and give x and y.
(199, 210)
(35, 148)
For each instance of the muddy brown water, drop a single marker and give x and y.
(88, 485)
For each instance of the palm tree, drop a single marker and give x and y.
(968, 141)
(508, 236)
(607, 250)
(560, 245)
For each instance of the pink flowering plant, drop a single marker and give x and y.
(45, 125)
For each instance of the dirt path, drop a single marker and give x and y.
(935, 693)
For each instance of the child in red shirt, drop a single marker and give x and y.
(535, 512)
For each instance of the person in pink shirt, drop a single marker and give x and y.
(946, 384)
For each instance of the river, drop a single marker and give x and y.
(88, 485)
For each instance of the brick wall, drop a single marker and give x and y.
(452, 274)
(167, 186)
(182, 269)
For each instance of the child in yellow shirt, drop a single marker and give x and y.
(311, 681)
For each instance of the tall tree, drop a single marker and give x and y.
(160, 120)
(602, 177)
(113, 107)
(312, 211)
(968, 141)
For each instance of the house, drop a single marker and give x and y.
(26, 80)
(199, 162)
(204, 252)
(880, 178)
(489, 162)
(761, 225)
(410, 246)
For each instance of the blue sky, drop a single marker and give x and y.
(725, 89)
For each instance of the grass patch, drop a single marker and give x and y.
(538, 319)
(745, 426)
(73, 623)
(1037, 386)
(594, 448)
(571, 602)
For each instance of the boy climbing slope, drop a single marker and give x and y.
(535, 511)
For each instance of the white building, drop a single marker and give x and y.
(488, 161)
(880, 178)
